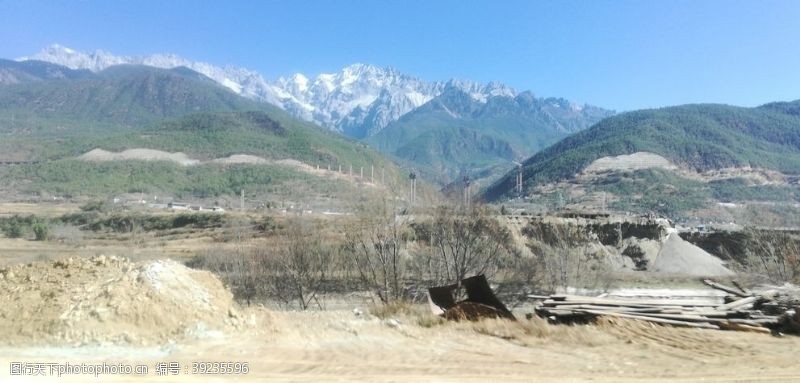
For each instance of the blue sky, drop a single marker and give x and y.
(617, 54)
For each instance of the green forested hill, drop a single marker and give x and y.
(269, 133)
(700, 137)
(52, 120)
(203, 136)
(117, 98)
(454, 133)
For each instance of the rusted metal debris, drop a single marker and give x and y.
(480, 302)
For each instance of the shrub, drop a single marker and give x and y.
(13, 230)
(41, 231)
(99, 206)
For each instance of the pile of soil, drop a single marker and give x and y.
(680, 257)
(102, 300)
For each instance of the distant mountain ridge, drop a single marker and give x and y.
(358, 101)
(695, 137)
(456, 133)
(13, 72)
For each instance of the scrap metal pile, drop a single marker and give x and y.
(774, 310)
(481, 302)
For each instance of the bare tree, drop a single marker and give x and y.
(773, 254)
(295, 272)
(240, 270)
(300, 269)
(375, 244)
(466, 242)
(566, 256)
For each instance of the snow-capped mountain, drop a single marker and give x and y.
(358, 101)
(242, 81)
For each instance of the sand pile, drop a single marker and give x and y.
(241, 159)
(680, 257)
(628, 162)
(104, 300)
(139, 154)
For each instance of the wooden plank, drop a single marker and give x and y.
(655, 310)
(727, 289)
(744, 327)
(738, 303)
(686, 318)
(755, 322)
(635, 302)
(740, 287)
(538, 297)
(654, 320)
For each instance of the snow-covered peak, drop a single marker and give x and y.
(300, 81)
(73, 59)
(357, 100)
(481, 92)
(236, 79)
(362, 95)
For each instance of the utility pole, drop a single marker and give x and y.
(467, 193)
(361, 174)
(372, 173)
(241, 201)
(604, 202)
(413, 177)
(351, 170)
(518, 185)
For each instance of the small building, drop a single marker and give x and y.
(178, 206)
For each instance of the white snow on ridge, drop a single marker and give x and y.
(359, 95)
(232, 85)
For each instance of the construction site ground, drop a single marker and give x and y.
(340, 346)
(81, 307)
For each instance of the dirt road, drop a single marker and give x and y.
(342, 347)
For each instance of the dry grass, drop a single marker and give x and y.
(44, 209)
(394, 309)
(534, 331)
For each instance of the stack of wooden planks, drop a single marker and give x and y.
(742, 310)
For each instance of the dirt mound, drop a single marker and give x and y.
(100, 155)
(241, 159)
(680, 257)
(103, 300)
(635, 161)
